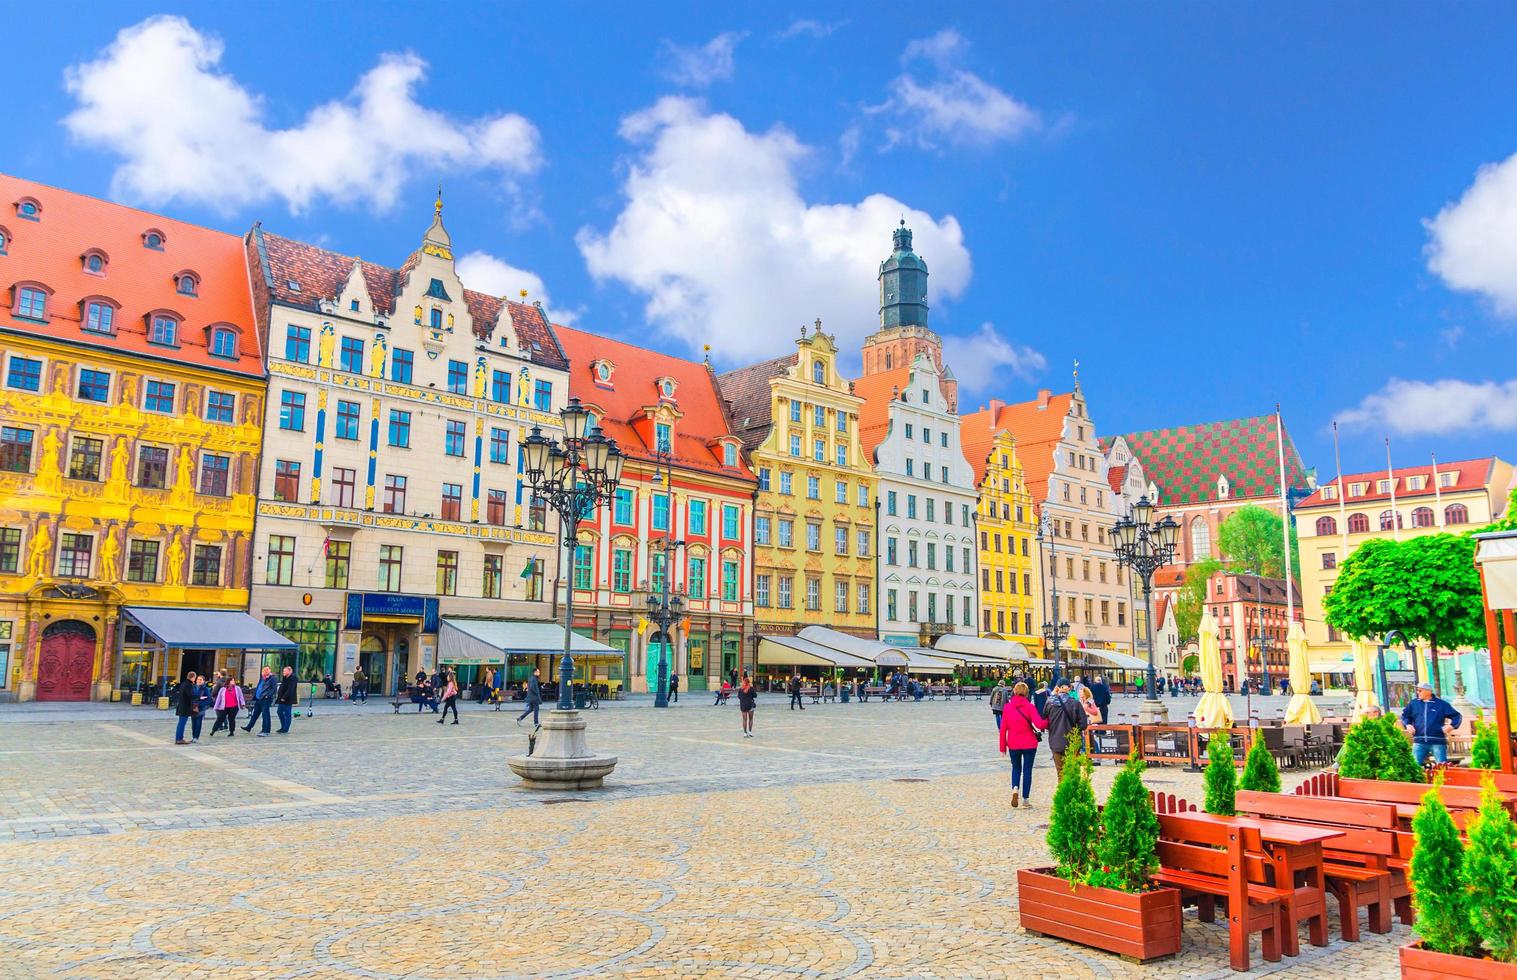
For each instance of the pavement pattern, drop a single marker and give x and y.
(850, 840)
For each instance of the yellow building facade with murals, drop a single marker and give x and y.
(131, 394)
(814, 517)
(1009, 588)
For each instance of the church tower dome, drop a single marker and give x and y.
(903, 284)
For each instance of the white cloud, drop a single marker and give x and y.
(806, 27)
(1473, 241)
(716, 234)
(697, 67)
(1436, 407)
(484, 273)
(953, 106)
(187, 131)
(982, 360)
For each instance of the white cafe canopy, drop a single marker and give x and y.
(792, 651)
(1111, 658)
(915, 659)
(858, 646)
(979, 649)
(1496, 554)
(489, 641)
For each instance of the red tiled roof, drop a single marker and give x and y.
(634, 371)
(1472, 474)
(748, 393)
(1114, 477)
(878, 390)
(1161, 606)
(1185, 461)
(319, 274)
(1036, 427)
(51, 250)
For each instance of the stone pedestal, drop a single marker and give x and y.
(562, 759)
(1153, 712)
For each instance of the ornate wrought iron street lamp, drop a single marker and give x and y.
(1055, 631)
(662, 608)
(1146, 547)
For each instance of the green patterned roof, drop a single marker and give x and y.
(1185, 461)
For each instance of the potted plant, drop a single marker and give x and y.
(1485, 750)
(1099, 893)
(1466, 895)
(1377, 748)
(1260, 773)
(1221, 778)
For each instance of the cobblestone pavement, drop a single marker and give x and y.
(851, 840)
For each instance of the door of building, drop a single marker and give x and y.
(66, 663)
(371, 657)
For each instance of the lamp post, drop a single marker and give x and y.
(1146, 547)
(1054, 630)
(573, 477)
(662, 608)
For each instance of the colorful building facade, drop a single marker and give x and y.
(391, 492)
(1010, 597)
(814, 516)
(682, 517)
(131, 395)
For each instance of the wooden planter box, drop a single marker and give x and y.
(1140, 927)
(1420, 964)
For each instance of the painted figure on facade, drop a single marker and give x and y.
(116, 486)
(184, 480)
(42, 546)
(174, 568)
(327, 344)
(479, 378)
(417, 314)
(49, 477)
(128, 391)
(524, 388)
(110, 550)
(377, 356)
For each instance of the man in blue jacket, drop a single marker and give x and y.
(263, 696)
(1428, 720)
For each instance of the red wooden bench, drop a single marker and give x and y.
(1506, 783)
(1208, 859)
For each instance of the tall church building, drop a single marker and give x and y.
(903, 332)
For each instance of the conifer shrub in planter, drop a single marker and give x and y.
(1260, 773)
(1485, 750)
(1377, 748)
(1099, 894)
(1466, 895)
(1221, 777)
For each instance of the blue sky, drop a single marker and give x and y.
(1212, 207)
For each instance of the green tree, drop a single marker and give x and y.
(1260, 773)
(1396, 761)
(1074, 821)
(1485, 751)
(1221, 776)
(1363, 750)
(1436, 875)
(1129, 833)
(1190, 598)
(1489, 875)
(1252, 541)
(1506, 522)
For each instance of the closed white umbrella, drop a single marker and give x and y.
(1302, 710)
(1364, 680)
(1214, 711)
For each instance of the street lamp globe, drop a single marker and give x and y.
(576, 420)
(597, 451)
(535, 452)
(615, 460)
(1142, 512)
(1169, 536)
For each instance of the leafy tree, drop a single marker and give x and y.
(1221, 776)
(1506, 522)
(1129, 833)
(1437, 875)
(1259, 770)
(1485, 751)
(1074, 822)
(1251, 539)
(1489, 875)
(1190, 598)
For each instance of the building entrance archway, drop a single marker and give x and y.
(66, 662)
(372, 657)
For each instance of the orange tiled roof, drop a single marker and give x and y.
(51, 252)
(1036, 426)
(1114, 477)
(1472, 474)
(751, 399)
(634, 371)
(878, 390)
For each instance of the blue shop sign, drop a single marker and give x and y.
(391, 604)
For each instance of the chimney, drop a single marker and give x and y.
(995, 409)
(1043, 395)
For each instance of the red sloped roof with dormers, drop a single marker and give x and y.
(51, 250)
(634, 371)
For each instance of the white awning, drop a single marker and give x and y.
(918, 660)
(846, 642)
(1111, 658)
(489, 641)
(980, 649)
(210, 629)
(1496, 554)
(1325, 665)
(792, 651)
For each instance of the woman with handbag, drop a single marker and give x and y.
(1021, 731)
(229, 699)
(449, 698)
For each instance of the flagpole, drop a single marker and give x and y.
(1390, 475)
(1437, 493)
(1285, 519)
(1342, 520)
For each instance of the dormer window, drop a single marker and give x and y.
(153, 239)
(666, 388)
(224, 342)
(29, 209)
(729, 454)
(663, 437)
(94, 262)
(5, 240)
(187, 284)
(163, 329)
(601, 371)
(31, 302)
(99, 316)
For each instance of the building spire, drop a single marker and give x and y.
(437, 208)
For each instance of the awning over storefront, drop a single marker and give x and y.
(1111, 658)
(210, 629)
(489, 641)
(980, 650)
(869, 650)
(1333, 665)
(793, 651)
(1496, 554)
(918, 660)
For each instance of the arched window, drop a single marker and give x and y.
(819, 372)
(1456, 514)
(1422, 517)
(163, 329)
(1200, 539)
(31, 301)
(187, 283)
(5, 240)
(1358, 524)
(1326, 526)
(224, 342)
(153, 239)
(1389, 519)
(99, 316)
(29, 208)
(94, 262)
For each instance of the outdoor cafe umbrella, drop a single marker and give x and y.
(1302, 710)
(1214, 711)
(1364, 680)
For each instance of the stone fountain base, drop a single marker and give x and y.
(562, 760)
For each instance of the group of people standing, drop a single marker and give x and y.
(1063, 714)
(198, 694)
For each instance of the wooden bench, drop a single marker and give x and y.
(828, 693)
(975, 689)
(1208, 860)
(1355, 865)
(934, 690)
(1506, 783)
(411, 696)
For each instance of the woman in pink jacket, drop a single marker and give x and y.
(1021, 731)
(228, 700)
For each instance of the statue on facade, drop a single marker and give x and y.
(377, 356)
(174, 562)
(184, 478)
(37, 555)
(524, 388)
(417, 314)
(49, 474)
(110, 551)
(128, 391)
(479, 378)
(325, 345)
(116, 484)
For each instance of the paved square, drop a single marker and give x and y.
(851, 840)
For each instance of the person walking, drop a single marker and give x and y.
(1100, 692)
(534, 698)
(998, 698)
(203, 701)
(1021, 725)
(673, 687)
(263, 697)
(284, 701)
(747, 699)
(1040, 697)
(221, 681)
(1065, 718)
(794, 687)
(228, 701)
(359, 691)
(186, 706)
(449, 699)
(1428, 720)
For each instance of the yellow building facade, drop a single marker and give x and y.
(814, 516)
(1009, 588)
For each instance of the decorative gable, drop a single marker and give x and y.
(666, 388)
